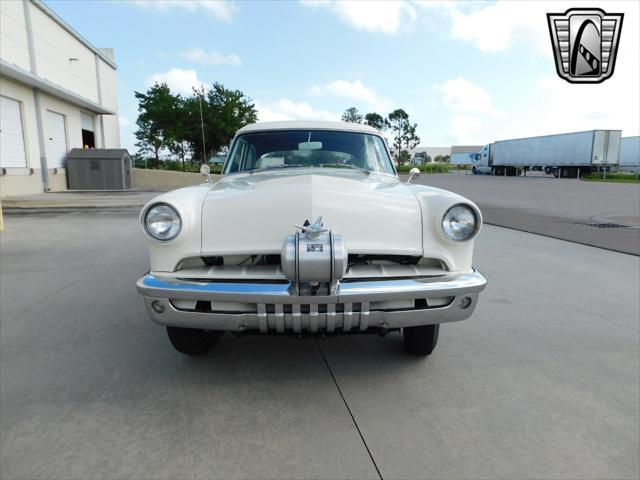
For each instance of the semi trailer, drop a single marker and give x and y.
(465, 154)
(563, 155)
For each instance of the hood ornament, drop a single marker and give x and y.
(314, 229)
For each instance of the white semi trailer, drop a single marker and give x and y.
(564, 155)
(465, 154)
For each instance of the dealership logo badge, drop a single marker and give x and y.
(585, 43)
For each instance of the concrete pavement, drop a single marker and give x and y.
(543, 381)
(559, 208)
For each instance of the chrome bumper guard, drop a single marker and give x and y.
(277, 309)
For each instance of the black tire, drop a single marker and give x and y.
(547, 170)
(192, 341)
(420, 340)
(556, 172)
(474, 171)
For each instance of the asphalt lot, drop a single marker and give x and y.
(559, 208)
(543, 381)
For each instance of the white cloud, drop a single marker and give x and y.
(178, 80)
(465, 128)
(212, 57)
(375, 16)
(286, 109)
(461, 95)
(123, 122)
(494, 28)
(471, 109)
(355, 91)
(221, 10)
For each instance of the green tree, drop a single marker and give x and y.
(224, 112)
(154, 122)
(404, 157)
(375, 120)
(411, 139)
(403, 131)
(352, 115)
(168, 122)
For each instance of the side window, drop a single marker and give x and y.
(249, 160)
(236, 157)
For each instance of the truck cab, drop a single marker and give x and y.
(484, 161)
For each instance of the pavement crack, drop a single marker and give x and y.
(344, 400)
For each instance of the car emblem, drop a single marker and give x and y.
(585, 43)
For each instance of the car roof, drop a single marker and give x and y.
(308, 125)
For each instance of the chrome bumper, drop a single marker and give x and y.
(278, 309)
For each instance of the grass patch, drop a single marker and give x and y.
(433, 168)
(613, 177)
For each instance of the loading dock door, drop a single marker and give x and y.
(88, 135)
(12, 153)
(56, 140)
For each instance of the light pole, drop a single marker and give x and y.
(204, 150)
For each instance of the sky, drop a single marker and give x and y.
(468, 73)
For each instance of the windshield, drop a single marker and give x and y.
(308, 148)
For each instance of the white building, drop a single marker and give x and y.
(630, 154)
(57, 92)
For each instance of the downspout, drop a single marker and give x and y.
(99, 84)
(44, 168)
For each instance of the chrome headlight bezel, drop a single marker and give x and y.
(177, 222)
(476, 220)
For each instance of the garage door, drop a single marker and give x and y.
(56, 140)
(12, 153)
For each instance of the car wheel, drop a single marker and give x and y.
(192, 341)
(420, 340)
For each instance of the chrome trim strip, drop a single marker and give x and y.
(262, 317)
(331, 317)
(351, 292)
(297, 320)
(364, 316)
(347, 316)
(279, 318)
(313, 318)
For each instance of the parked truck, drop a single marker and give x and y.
(465, 154)
(563, 155)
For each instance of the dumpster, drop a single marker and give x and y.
(98, 169)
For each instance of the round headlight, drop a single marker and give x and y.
(459, 223)
(162, 222)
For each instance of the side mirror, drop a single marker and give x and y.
(205, 170)
(414, 172)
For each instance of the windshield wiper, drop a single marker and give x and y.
(272, 167)
(343, 165)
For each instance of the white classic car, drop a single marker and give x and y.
(309, 230)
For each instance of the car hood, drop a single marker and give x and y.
(252, 213)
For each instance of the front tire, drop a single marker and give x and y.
(192, 341)
(420, 340)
